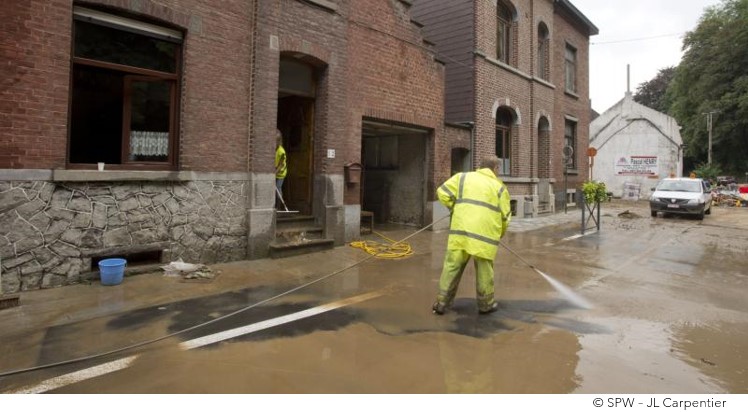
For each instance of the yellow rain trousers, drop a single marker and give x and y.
(480, 207)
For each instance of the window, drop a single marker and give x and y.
(570, 140)
(571, 69)
(124, 92)
(504, 123)
(543, 52)
(504, 33)
(544, 148)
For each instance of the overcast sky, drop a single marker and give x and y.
(660, 24)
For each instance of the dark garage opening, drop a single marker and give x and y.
(394, 159)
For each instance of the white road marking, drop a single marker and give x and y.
(114, 366)
(233, 333)
(577, 236)
(75, 377)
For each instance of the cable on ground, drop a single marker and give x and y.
(391, 250)
(191, 328)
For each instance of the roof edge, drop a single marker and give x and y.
(566, 4)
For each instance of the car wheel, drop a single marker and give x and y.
(709, 211)
(700, 216)
(654, 213)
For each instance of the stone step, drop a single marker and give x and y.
(544, 208)
(286, 249)
(294, 222)
(312, 232)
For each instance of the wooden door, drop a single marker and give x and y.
(296, 122)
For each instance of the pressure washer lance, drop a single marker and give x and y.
(564, 290)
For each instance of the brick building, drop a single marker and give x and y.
(179, 102)
(517, 73)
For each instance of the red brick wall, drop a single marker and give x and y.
(393, 76)
(496, 86)
(577, 105)
(371, 61)
(530, 98)
(34, 67)
(458, 137)
(36, 40)
(543, 101)
(317, 36)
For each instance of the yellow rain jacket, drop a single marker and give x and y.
(480, 208)
(280, 163)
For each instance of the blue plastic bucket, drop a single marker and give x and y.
(112, 271)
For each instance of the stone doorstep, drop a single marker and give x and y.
(295, 222)
(309, 233)
(287, 249)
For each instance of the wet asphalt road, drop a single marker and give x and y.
(670, 316)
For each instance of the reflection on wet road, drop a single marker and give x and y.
(669, 316)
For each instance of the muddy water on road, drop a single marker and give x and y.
(717, 350)
(669, 316)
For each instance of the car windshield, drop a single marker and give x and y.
(679, 186)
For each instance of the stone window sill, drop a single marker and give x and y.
(327, 5)
(571, 94)
(63, 175)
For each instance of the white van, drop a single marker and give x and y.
(681, 195)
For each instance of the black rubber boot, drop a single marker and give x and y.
(438, 308)
(493, 308)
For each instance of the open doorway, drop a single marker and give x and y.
(296, 99)
(394, 180)
(460, 160)
(296, 122)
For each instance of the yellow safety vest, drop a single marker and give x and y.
(280, 163)
(481, 212)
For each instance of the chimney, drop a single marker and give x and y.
(628, 80)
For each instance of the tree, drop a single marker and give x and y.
(713, 76)
(652, 93)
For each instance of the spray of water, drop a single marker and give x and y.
(566, 292)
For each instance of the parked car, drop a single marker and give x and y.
(682, 195)
(726, 180)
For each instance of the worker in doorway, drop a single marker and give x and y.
(479, 204)
(281, 167)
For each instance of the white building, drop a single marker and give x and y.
(636, 147)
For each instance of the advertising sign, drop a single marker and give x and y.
(636, 166)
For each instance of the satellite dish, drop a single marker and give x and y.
(568, 151)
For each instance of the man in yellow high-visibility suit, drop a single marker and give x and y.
(480, 209)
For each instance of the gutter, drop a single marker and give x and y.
(571, 9)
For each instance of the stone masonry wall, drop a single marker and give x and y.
(50, 231)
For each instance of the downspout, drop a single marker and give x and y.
(474, 110)
(533, 72)
(533, 126)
